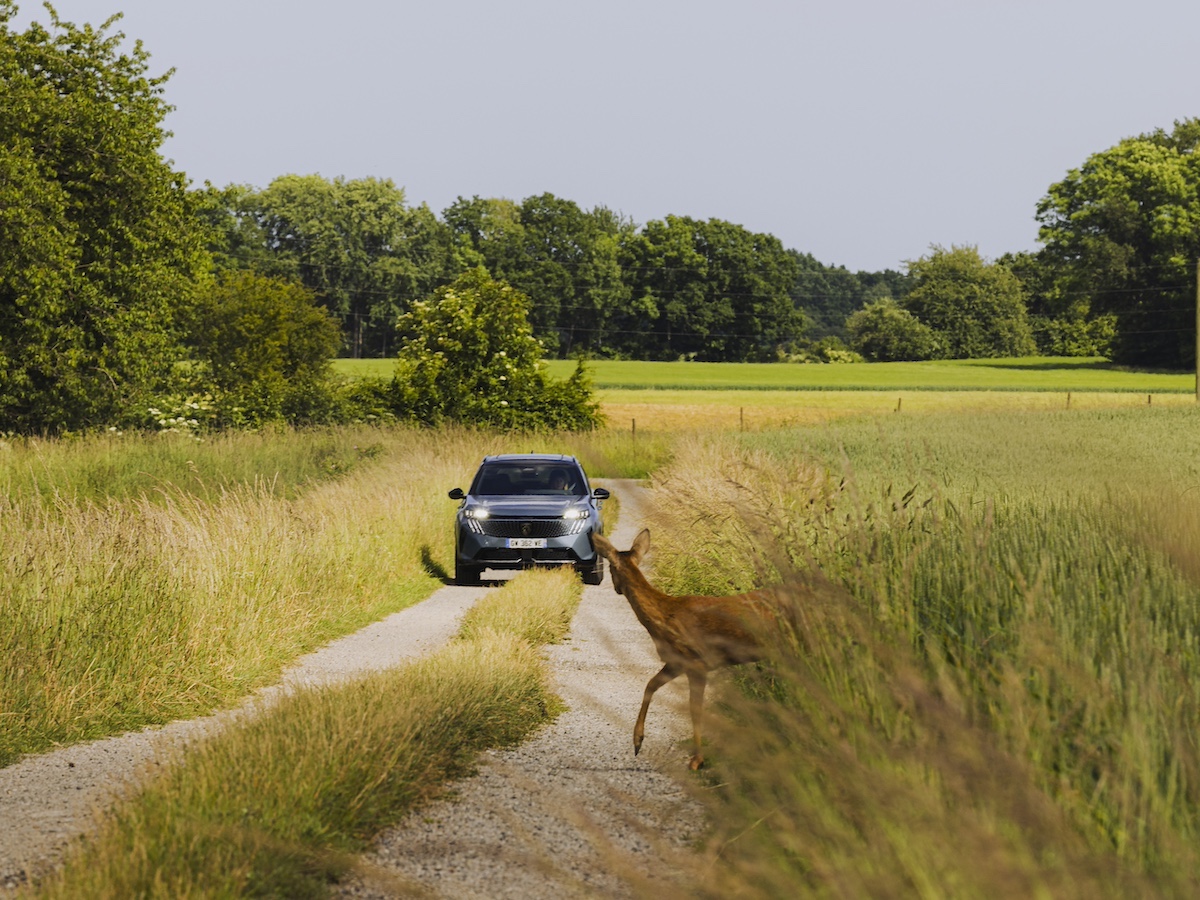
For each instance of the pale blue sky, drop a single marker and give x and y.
(861, 131)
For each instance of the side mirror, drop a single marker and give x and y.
(457, 494)
(600, 494)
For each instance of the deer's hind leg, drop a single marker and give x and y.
(667, 673)
(697, 680)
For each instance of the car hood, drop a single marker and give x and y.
(534, 506)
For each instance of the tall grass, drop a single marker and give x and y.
(107, 467)
(277, 806)
(131, 611)
(145, 579)
(999, 692)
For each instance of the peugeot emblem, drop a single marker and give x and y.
(526, 528)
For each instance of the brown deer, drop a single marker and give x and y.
(693, 635)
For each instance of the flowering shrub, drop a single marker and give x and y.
(192, 416)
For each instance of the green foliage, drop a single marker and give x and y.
(975, 308)
(264, 349)
(1123, 232)
(99, 241)
(1074, 335)
(564, 259)
(706, 291)
(828, 295)
(354, 243)
(884, 332)
(468, 355)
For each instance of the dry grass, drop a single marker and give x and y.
(278, 806)
(143, 610)
(537, 606)
(658, 411)
(996, 694)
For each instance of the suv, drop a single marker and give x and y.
(526, 510)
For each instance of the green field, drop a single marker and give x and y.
(1025, 374)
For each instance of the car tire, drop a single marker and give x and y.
(464, 574)
(595, 574)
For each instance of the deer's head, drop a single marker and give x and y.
(621, 562)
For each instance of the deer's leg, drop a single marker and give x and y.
(665, 674)
(696, 682)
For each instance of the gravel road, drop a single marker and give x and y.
(562, 814)
(554, 817)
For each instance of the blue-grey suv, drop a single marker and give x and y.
(524, 510)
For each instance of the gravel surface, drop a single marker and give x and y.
(570, 811)
(558, 816)
(48, 800)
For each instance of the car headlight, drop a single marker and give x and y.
(577, 512)
(474, 515)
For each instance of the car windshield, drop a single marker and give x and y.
(507, 479)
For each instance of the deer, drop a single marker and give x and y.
(693, 635)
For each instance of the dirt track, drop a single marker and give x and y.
(543, 820)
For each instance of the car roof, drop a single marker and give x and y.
(530, 457)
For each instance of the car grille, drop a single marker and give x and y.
(532, 528)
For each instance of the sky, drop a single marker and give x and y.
(864, 132)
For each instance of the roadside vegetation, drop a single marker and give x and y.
(1008, 705)
(280, 805)
(151, 578)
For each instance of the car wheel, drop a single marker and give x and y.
(464, 574)
(595, 574)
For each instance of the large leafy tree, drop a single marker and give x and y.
(100, 246)
(826, 294)
(566, 260)
(1123, 233)
(468, 354)
(707, 290)
(353, 242)
(975, 307)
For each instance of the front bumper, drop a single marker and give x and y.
(494, 551)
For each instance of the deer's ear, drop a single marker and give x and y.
(641, 544)
(603, 545)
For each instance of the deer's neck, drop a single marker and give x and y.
(648, 602)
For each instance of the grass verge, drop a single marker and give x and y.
(999, 694)
(134, 611)
(278, 806)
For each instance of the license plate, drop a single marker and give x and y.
(525, 543)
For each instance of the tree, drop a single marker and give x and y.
(264, 347)
(1062, 321)
(976, 308)
(468, 354)
(826, 295)
(1123, 232)
(707, 290)
(356, 245)
(100, 246)
(564, 259)
(884, 332)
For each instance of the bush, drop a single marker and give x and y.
(263, 350)
(468, 355)
(883, 332)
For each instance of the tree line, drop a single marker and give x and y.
(599, 285)
(122, 284)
